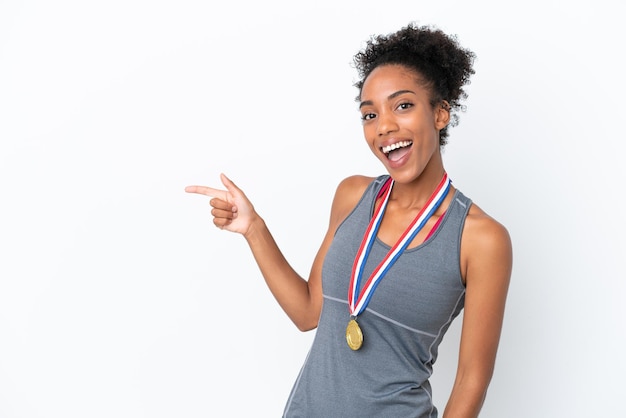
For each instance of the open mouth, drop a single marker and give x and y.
(397, 150)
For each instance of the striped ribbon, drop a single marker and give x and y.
(357, 302)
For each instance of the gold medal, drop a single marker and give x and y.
(359, 296)
(354, 336)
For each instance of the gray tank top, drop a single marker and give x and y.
(407, 316)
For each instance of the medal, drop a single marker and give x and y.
(354, 336)
(358, 300)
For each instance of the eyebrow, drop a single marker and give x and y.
(391, 96)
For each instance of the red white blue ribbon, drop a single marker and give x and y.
(357, 301)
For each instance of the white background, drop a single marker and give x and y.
(118, 297)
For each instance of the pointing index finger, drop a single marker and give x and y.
(207, 191)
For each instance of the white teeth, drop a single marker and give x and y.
(397, 145)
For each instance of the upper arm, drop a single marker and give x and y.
(347, 195)
(486, 252)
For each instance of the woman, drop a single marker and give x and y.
(404, 253)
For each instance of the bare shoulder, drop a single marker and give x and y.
(354, 185)
(486, 244)
(481, 227)
(347, 195)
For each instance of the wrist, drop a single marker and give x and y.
(255, 228)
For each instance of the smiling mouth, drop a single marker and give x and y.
(397, 150)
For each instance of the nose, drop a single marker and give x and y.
(386, 123)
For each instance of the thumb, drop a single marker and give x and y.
(230, 186)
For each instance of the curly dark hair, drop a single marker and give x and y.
(443, 65)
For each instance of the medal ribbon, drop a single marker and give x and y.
(357, 303)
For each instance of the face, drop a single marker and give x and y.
(400, 125)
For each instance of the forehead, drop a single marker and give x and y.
(387, 79)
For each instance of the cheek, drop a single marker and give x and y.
(369, 132)
(370, 139)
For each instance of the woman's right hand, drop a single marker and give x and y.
(232, 210)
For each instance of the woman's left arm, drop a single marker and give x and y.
(486, 263)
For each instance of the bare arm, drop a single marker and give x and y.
(300, 299)
(487, 261)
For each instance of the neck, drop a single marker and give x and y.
(416, 193)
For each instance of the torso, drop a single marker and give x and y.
(403, 323)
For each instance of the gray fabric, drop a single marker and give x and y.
(405, 321)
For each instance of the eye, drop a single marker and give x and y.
(367, 116)
(405, 105)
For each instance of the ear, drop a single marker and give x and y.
(442, 115)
